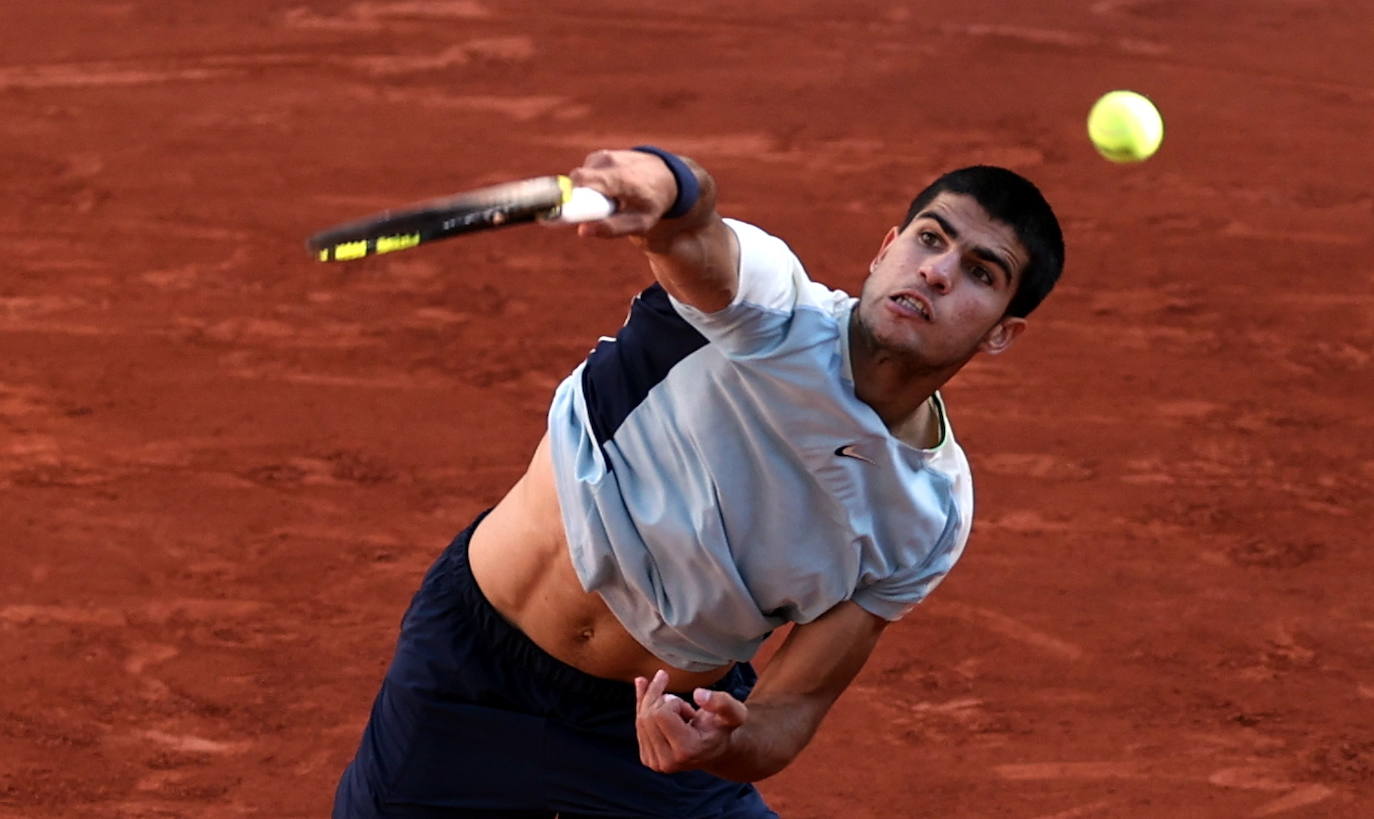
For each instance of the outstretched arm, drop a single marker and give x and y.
(748, 742)
(694, 256)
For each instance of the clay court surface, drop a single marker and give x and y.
(225, 466)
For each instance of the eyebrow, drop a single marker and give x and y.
(986, 254)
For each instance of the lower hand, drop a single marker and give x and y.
(675, 735)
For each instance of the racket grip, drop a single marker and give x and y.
(584, 205)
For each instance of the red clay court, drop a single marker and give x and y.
(225, 466)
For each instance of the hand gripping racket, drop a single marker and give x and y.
(550, 199)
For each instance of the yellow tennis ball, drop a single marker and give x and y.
(1125, 127)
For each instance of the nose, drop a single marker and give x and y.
(938, 271)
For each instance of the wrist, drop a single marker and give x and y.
(684, 176)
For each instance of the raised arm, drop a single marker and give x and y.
(694, 256)
(748, 742)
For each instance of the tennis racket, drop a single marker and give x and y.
(550, 199)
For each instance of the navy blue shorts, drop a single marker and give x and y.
(473, 719)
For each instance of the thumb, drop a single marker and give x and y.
(595, 230)
(730, 711)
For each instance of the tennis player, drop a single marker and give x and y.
(751, 449)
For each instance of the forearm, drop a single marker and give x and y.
(768, 741)
(802, 681)
(749, 741)
(699, 266)
(695, 256)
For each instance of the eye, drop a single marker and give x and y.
(929, 238)
(982, 274)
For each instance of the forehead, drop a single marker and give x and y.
(976, 227)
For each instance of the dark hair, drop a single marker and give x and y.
(1010, 198)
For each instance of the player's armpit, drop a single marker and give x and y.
(803, 679)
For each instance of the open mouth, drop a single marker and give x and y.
(913, 305)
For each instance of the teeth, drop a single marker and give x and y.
(914, 305)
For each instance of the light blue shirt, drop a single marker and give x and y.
(718, 477)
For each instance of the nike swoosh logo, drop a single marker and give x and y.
(848, 451)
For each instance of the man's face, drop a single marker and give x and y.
(939, 289)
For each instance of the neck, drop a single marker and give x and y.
(893, 385)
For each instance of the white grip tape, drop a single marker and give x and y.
(585, 205)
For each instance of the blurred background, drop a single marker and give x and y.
(225, 466)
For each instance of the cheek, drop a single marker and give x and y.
(869, 286)
(872, 291)
(976, 316)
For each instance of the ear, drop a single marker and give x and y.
(1002, 334)
(891, 237)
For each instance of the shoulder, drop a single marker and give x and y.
(772, 276)
(774, 287)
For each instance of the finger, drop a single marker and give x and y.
(675, 707)
(600, 158)
(729, 711)
(630, 221)
(587, 176)
(640, 685)
(657, 686)
(602, 229)
(648, 744)
(675, 743)
(649, 694)
(607, 177)
(643, 700)
(650, 750)
(673, 720)
(651, 754)
(636, 209)
(653, 731)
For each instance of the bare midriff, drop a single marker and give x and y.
(519, 556)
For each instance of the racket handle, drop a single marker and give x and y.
(584, 205)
